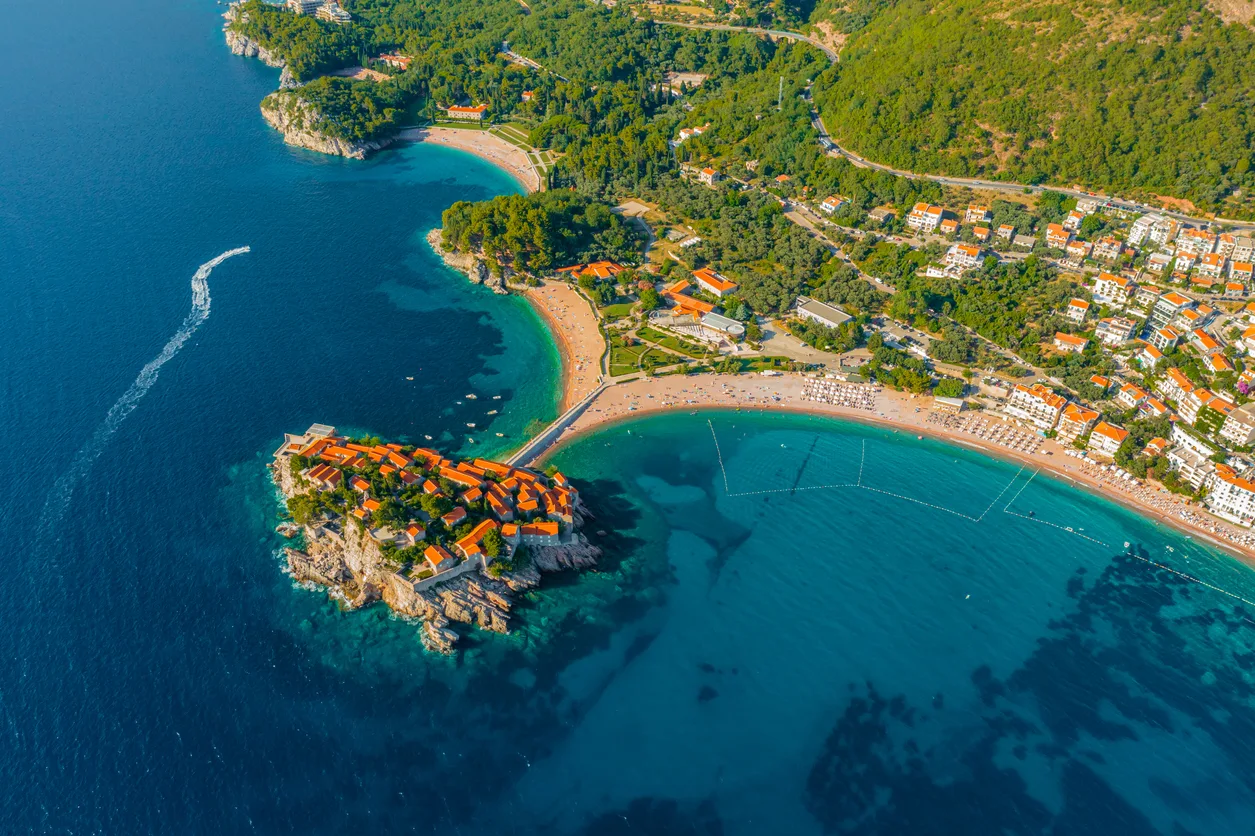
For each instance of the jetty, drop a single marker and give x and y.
(542, 441)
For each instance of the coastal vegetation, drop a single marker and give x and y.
(1146, 98)
(540, 231)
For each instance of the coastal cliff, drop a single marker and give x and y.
(361, 565)
(300, 123)
(241, 44)
(475, 268)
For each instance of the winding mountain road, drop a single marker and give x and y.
(834, 149)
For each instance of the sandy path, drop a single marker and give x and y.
(897, 410)
(574, 325)
(484, 145)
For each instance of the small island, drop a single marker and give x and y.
(434, 538)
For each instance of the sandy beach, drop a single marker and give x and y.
(484, 145)
(574, 327)
(899, 411)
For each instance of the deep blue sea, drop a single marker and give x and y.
(762, 651)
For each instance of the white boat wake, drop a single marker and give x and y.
(59, 498)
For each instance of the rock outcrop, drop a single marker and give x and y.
(300, 122)
(475, 268)
(241, 44)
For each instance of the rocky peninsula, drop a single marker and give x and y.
(473, 266)
(434, 539)
(300, 121)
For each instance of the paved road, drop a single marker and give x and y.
(970, 182)
(1002, 186)
(754, 30)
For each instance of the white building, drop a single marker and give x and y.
(1168, 308)
(1243, 249)
(467, 114)
(1193, 403)
(1239, 426)
(1211, 265)
(1076, 310)
(808, 308)
(1112, 288)
(1130, 395)
(977, 214)
(333, 13)
(713, 283)
(1140, 229)
(1165, 338)
(1070, 344)
(1107, 248)
(1197, 470)
(1106, 438)
(1232, 497)
(962, 257)
(1115, 330)
(831, 204)
(1149, 357)
(1197, 242)
(924, 218)
(1035, 404)
(1075, 421)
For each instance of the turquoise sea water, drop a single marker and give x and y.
(786, 661)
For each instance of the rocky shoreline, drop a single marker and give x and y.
(474, 267)
(298, 121)
(350, 564)
(285, 110)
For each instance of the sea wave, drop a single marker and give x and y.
(61, 493)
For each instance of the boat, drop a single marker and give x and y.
(409, 378)
(492, 412)
(472, 397)
(496, 397)
(472, 426)
(427, 437)
(500, 435)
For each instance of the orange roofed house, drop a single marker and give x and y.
(1106, 438)
(598, 270)
(1035, 404)
(684, 303)
(467, 114)
(711, 282)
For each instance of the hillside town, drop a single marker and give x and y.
(1143, 369)
(433, 537)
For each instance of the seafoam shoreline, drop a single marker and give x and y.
(486, 146)
(612, 412)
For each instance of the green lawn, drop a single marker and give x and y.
(612, 312)
(625, 359)
(458, 123)
(758, 364)
(672, 342)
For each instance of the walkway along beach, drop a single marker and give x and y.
(896, 410)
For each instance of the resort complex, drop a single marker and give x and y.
(1118, 331)
(404, 524)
